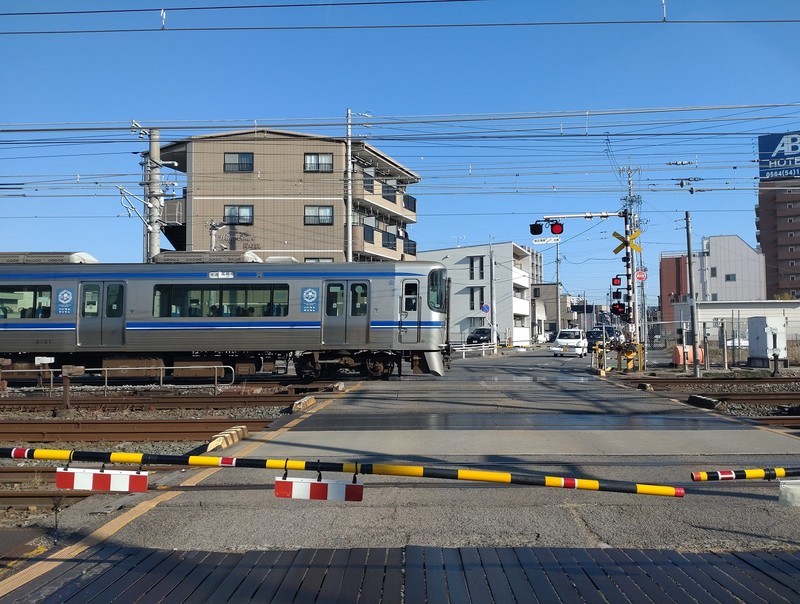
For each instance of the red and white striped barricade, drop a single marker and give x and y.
(325, 490)
(85, 479)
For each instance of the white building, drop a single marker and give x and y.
(484, 292)
(729, 269)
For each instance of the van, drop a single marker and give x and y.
(570, 342)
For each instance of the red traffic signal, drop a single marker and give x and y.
(556, 228)
(618, 308)
(616, 281)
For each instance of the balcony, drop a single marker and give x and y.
(371, 192)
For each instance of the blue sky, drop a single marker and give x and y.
(505, 124)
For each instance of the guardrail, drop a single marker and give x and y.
(68, 371)
(465, 348)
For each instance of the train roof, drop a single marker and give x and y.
(219, 270)
(47, 258)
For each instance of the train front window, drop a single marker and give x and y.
(437, 282)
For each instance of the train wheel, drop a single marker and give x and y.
(307, 370)
(378, 367)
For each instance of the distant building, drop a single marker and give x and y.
(281, 193)
(481, 293)
(726, 268)
(778, 212)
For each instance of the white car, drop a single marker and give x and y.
(570, 342)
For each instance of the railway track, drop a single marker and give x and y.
(21, 431)
(165, 400)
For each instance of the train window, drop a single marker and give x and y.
(334, 300)
(358, 299)
(90, 300)
(114, 299)
(25, 302)
(266, 300)
(410, 293)
(437, 283)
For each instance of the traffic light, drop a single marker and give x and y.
(616, 281)
(537, 228)
(618, 308)
(556, 228)
(617, 295)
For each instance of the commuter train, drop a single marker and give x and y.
(72, 310)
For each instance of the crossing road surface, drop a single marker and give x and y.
(527, 413)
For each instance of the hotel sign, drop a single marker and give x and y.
(779, 156)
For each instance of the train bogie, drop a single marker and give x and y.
(358, 316)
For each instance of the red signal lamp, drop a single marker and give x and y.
(556, 228)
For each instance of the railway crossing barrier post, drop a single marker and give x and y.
(3, 383)
(67, 372)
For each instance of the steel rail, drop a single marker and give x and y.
(116, 430)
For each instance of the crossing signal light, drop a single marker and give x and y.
(616, 281)
(537, 228)
(556, 228)
(618, 308)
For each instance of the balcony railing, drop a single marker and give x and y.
(410, 247)
(410, 203)
(389, 241)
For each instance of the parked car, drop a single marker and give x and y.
(481, 335)
(571, 342)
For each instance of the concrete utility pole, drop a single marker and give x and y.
(349, 178)
(631, 224)
(155, 196)
(693, 305)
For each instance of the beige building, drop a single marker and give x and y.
(280, 193)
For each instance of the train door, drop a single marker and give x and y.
(345, 320)
(101, 317)
(409, 311)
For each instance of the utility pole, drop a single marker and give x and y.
(492, 296)
(693, 305)
(631, 224)
(558, 285)
(349, 220)
(154, 196)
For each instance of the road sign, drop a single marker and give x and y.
(640, 275)
(485, 308)
(625, 242)
(543, 240)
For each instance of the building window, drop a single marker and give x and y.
(790, 219)
(791, 262)
(318, 215)
(318, 162)
(537, 292)
(791, 248)
(238, 162)
(792, 277)
(476, 297)
(730, 277)
(238, 215)
(475, 267)
(713, 271)
(790, 234)
(369, 183)
(388, 192)
(714, 297)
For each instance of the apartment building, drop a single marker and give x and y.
(490, 283)
(285, 194)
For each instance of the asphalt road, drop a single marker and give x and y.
(526, 412)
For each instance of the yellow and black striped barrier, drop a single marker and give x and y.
(347, 468)
(751, 474)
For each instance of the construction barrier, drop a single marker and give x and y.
(348, 468)
(756, 473)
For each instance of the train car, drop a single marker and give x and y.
(323, 317)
